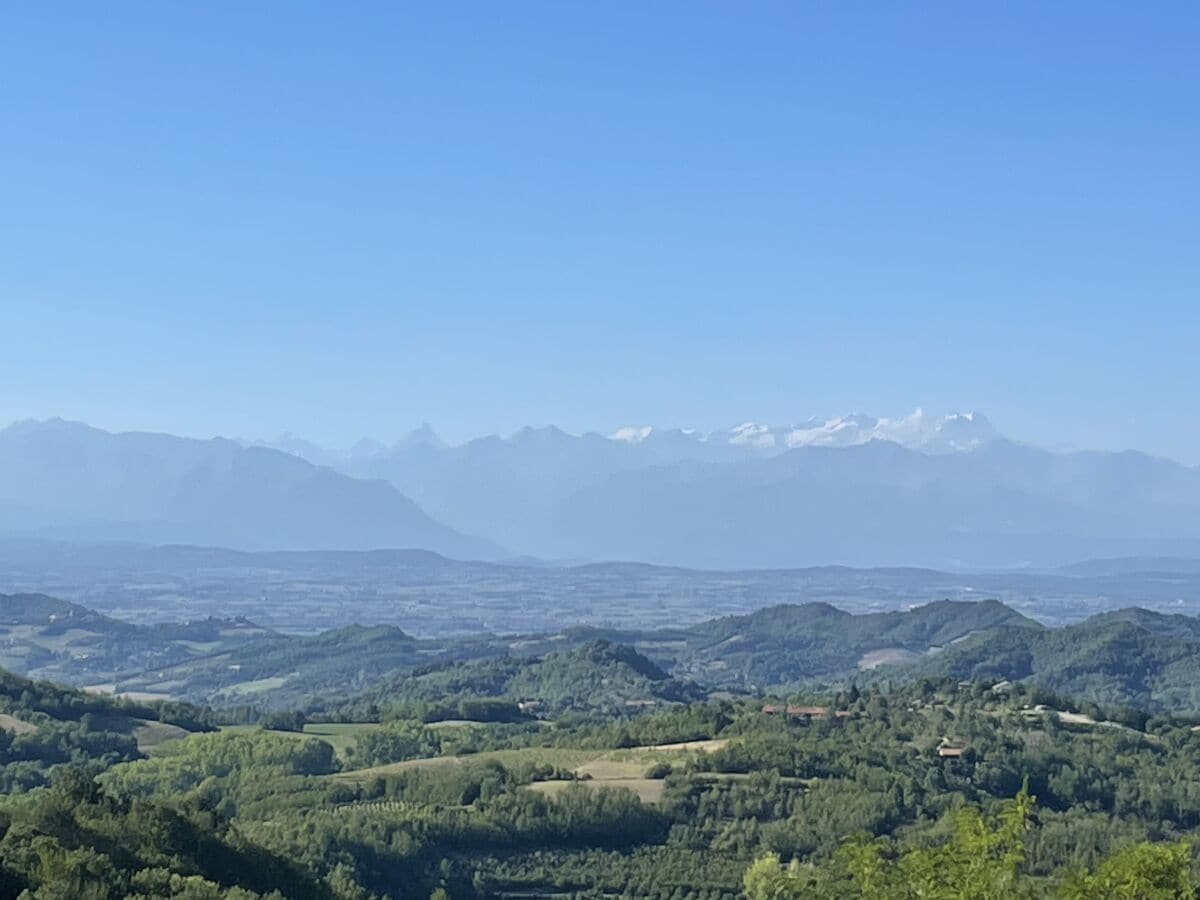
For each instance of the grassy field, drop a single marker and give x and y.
(13, 725)
(245, 688)
(150, 734)
(649, 790)
(340, 734)
(624, 768)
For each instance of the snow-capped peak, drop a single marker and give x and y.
(632, 434)
(751, 434)
(918, 430)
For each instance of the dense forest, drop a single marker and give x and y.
(937, 788)
(955, 750)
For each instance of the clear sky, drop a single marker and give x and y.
(346, 219)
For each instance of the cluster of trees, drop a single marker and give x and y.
(977, 860)
(73, 841)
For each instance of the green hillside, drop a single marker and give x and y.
(44, 637)
(681, 802)
(1131, 657)
(598, 677)
(788, 645)
(280, 672)
(44, 727)
(1134, 657)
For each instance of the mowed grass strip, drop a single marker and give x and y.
(340, 734)
(649, 790)
(13, 725)
(149, 734)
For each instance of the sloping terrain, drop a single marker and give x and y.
(45, 726)
(67, 480)
(1131, 657)
(292, 671)
(47, 638)
(1135, 658)
(783, 645)
(597, 676)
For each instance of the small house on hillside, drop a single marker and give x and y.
(808, 712)
(949, 749)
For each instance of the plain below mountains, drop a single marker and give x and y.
(66, 480)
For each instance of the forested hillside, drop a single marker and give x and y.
(596, 677)
(1136, 658)
(48, 638)
(872, 793)
(788, 645)
(44, 727)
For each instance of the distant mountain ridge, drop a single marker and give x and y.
(942, 492)
(919, 430)
(680, 501)
(69, 480)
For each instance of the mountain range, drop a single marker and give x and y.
(919, 490)
(68, 480)
(942, 491)
(918, 430)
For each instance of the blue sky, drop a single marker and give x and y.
(349, 219)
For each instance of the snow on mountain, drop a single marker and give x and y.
(951, 433)
(632, 434)
(955, 432)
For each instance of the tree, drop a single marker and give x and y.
(1140, 872)
(768, 879)
(980, 861)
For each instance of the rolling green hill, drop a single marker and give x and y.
(785, 645)
(1128, 657)
(282, 672)
(44, 637)
(674, 804)
(598, 676)
(1134, 657)
(44, 726)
